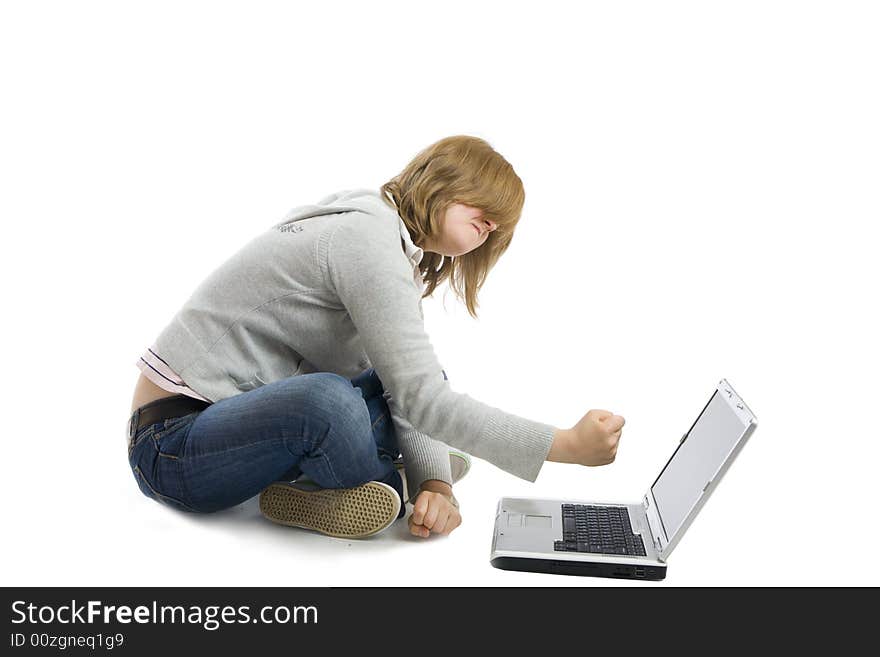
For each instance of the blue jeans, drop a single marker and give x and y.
(337, 432)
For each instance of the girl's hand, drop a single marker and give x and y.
(592, 441)
(433, 512)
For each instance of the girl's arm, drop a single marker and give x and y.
(372, 278)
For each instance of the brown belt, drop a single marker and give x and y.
(164, 409)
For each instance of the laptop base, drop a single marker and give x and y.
(581, 568)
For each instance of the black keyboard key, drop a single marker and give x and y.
(598, 530)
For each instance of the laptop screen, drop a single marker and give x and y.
(696, 460)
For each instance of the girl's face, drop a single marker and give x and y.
(462, 229)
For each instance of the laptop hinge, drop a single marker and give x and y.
(654, 523)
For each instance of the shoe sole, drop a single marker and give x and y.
(341, 512)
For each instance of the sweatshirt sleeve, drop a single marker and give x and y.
(424, 457)
(373, 280)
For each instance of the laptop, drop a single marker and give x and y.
(630, 541)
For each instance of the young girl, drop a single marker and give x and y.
(300, 369)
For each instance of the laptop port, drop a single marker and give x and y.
(640, 572)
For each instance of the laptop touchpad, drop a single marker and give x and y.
(526, 520)
(538, 521)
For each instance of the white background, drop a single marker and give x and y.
(702, 202)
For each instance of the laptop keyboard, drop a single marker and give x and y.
(598, 529)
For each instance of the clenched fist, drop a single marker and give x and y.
(592, 441)
(433, 513)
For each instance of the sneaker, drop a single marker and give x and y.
(460, 463)
(341, 512)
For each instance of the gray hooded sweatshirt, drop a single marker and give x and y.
(335, 287)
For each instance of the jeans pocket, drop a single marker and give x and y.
(148, 490)
(142, 434)
(171, 439)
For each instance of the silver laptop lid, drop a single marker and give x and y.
(697, 465)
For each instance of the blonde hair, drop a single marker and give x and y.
(459, 169)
